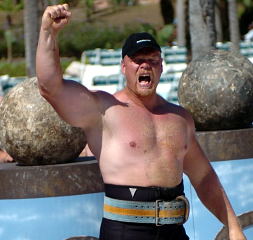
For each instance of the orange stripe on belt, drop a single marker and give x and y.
(144, 212)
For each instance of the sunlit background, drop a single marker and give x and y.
(96, 28)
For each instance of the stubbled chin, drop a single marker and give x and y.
(144, 92)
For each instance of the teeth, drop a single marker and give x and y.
(144, 78)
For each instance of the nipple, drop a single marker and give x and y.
(132, 144)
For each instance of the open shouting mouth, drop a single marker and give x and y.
(145, 80)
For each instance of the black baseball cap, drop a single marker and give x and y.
(137, 41)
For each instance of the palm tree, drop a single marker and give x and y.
(167, 11)
(202, 26)
(218, 22)
(89, 8)
(181, 22)
(234, 25)
(31, 34)
(9, 7)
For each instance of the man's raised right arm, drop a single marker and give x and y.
(73, 102)
(48, 67)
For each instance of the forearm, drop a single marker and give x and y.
(209, 188)
(48, 67)
(213, 196)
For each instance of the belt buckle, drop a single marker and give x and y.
(187, 208)
(157, 210)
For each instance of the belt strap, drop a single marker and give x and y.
(159, 212)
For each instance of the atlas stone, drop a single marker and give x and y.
(32, 132)
(217, 89)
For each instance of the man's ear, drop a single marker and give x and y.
(123, 67)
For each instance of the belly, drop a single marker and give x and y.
(142, 171)
(142, 158)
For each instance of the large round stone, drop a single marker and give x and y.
(32, 132)
(217, 90)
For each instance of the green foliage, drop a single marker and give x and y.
(72, 3)
(9, 6)
(166, 34)
(18, 68)
(75, 38)
(89, 3)
(12, 69)
(246, 3)
(2, 43)
(78, 37)
(18, 49)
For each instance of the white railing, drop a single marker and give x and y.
(100, 69)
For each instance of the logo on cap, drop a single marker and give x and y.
(137, 41)
(143, 40)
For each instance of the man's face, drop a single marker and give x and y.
(142, 71)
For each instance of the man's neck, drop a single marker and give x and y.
(150, 102)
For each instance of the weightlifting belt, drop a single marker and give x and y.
(159, 212)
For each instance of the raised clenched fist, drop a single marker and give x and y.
(55, 17)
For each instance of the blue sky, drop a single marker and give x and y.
(58, 218)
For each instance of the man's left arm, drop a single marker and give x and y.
(208, 187)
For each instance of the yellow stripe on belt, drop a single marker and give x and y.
(158, 212)
(143, 212)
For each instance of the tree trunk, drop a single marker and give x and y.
(31, 34)
(181, 19)
(233, 26)
(202, 26)
(9, 40)
(42, 4)
(167, 11)
(8, 36)
(218, 24)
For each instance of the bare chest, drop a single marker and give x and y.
(144, 132)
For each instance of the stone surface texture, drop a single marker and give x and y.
(217, 90)
(32, 132)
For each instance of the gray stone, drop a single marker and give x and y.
(32, 132)
(217, 90)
